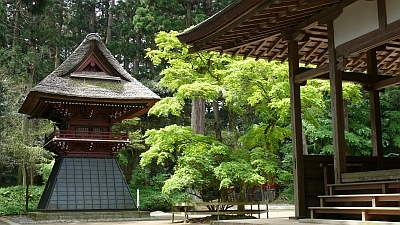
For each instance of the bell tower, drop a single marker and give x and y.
(85, 96)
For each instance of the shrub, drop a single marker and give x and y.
(152, 199)
(287, 195)
(12, 199)
(159, 202)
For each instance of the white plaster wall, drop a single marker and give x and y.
(356, 20)
(392, 10)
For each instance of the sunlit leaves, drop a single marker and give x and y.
(167, 106)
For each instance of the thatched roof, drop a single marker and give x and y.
(69, 82)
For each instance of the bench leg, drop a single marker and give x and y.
(186, 220)
(173, 214)
(312, 214)
(363, 215)
(384, 189)
(217, 212)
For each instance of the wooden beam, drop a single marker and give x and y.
(339, 152)
(311, 73)
(369, 41)
(359, 78)
(382, 18)
(320, 16)
(297, 131)
(387, 83)
(375, 110)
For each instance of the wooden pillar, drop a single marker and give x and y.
(297, 131)
(375, 110)
(339, 153)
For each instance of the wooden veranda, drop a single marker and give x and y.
(347, 40)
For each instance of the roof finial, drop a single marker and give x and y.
(93, 36)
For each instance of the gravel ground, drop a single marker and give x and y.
(27, 220)
(275, 210)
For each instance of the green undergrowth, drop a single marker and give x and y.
(152, 199)
(12, 199)
(287, 195)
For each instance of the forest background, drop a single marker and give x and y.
(223, 121)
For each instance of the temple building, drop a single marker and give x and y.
(85, 96)
(344, 41)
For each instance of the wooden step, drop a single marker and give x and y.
(384, 186)
(373, 198)
(363, 211)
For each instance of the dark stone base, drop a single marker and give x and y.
(87, 215)
(86, 184)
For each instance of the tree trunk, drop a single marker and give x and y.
(92, 16)
(217, 121)
(16, 25)
(126, 59)
(26, 191)
(346, 123)
(189, 19)
(109, 23)
(231, 119)
(137, 56)
(60, 22)
(305, 150)
(198, 115)
(242, 196)
(208, 7)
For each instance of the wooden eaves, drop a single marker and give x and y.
(253, 28)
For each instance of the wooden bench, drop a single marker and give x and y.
(364, 212)
(186, 207)
(383, 186)
(373, 198)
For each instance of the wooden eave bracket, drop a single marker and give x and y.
(323, 16)
(310, 73)
(288, 35)
(330, 17)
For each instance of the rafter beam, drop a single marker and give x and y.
(322, 72)
(316, 47)
(394, 60)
